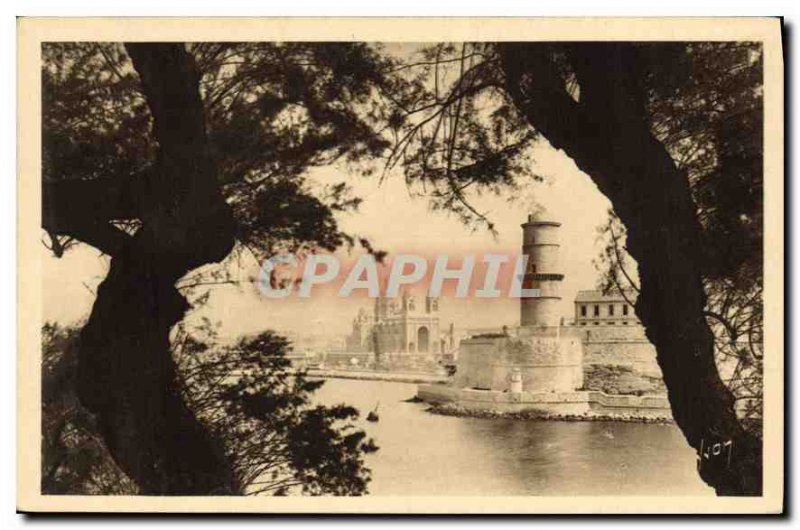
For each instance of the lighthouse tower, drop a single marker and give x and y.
(540, 359)
(540, 242)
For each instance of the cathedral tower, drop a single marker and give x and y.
(540, 242)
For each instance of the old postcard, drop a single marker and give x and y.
(401, 265)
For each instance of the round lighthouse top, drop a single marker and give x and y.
(541, 217)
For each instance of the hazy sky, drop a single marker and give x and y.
(395, 222)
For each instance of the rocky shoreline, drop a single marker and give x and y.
(450, 409)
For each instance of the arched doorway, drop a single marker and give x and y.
(423, 340)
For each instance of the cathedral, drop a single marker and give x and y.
(398, 327)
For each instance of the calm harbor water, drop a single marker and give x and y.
(426, 454)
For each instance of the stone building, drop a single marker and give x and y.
(360, 338)
(595, 308)
(401, 326)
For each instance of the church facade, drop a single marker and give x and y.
(404, 326)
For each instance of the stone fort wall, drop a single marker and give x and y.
(545, 364)
(618, 345)
(618, 359)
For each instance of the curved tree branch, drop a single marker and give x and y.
(607, 134)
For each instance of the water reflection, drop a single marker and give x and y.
(426, 454)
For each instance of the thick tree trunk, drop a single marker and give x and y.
(127, 378)
(607, 135)
(126, 374)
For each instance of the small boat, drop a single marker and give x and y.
(373, 414)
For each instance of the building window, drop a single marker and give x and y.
(611, 310)
(596, 310)
(625, 309)
(583, 310)
(625, 323)
(597, 323)
(583, 323)
(611, 323)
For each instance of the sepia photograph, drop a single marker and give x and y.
(401, 266)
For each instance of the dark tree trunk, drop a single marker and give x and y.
(127, 378)
(126, 374)
(607, 134)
